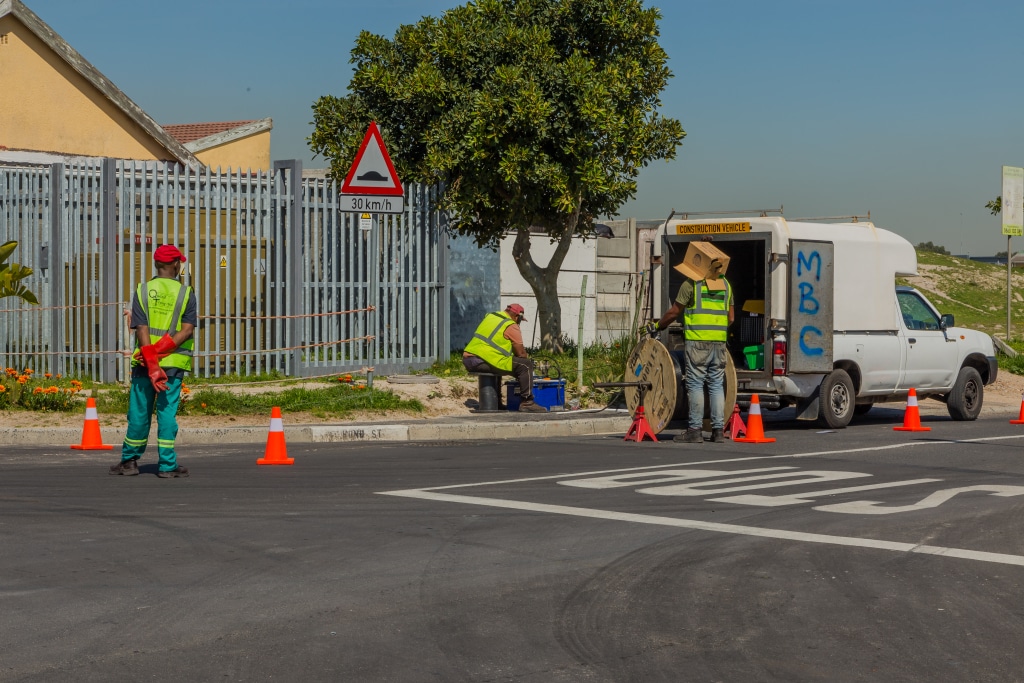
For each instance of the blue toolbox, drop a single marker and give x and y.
(549, 393)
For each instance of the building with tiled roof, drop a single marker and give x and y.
(58, 106)
(227, 144)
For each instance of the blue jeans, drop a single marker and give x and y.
(705, 362)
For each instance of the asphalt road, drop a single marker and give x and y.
(859, 555)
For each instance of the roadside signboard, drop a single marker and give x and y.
(372, 184)
(1013, 201)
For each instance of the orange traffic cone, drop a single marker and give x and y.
(912, 416)
(91, 439)
(755, 429)
(1020, 420)
(277, 452)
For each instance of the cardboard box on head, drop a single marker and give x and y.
(704, 261)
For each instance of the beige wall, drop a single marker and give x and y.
(252, 152)
(47, 106)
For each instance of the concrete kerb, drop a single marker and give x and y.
(466, 429)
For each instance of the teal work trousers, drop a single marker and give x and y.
(142, 399)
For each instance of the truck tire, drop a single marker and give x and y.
(836, 399)
(968, 393)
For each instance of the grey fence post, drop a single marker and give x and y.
(55, 264)
(375, 326)
(293, 280)
(444, 304)
(109, 314)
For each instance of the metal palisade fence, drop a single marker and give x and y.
(285, 280)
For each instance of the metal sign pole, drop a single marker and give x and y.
(1013, 224)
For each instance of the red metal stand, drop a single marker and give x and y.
(640, 428)
(735, 426)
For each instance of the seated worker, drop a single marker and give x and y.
(497, 347)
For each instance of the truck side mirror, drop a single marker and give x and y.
(946, 321)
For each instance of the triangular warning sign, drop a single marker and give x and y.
(372, 171)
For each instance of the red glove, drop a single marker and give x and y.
(157, 376)
(164, 347)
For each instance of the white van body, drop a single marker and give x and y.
(820, 301)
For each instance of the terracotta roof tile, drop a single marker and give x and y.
(189, 132)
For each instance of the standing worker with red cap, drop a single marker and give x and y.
(164, 316)
(497, 347)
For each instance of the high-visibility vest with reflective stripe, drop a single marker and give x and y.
(163, 300)
(489, 342)
(708, 318)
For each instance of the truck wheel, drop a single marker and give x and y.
(836, 400)
(964, 401)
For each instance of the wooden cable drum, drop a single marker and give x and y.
(666, 400)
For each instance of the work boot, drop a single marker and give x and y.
(531, 407)
(127, 468)
(689, 436)
(717, 436)
(178, 471)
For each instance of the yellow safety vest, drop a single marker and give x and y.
(489, 342)
(708, 318)
(164, 301)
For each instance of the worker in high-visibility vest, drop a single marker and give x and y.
(164, 316)
(707, 308)
(497, 347)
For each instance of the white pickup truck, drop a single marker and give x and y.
(821, 325)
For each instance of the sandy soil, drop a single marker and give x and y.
(448, 397)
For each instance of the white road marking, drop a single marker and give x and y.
(660, 477)
(809, 496)
(870, 507)
(850, 541)
(893, 546)
(769, 481)
(890, 447)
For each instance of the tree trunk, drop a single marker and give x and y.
(544, 281)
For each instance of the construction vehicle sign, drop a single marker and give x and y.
(711, 228)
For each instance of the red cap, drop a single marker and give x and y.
(168, 253)
(515, 310)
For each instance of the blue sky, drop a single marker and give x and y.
(906, 109)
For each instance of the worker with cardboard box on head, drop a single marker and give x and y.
(705, 300)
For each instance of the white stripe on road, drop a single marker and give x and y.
(564, 475)
(894, 546)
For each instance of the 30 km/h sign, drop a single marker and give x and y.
(372, 185)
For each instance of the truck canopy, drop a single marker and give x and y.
(867, 261)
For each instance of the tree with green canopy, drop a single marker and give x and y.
(11, 275)
(536, 116)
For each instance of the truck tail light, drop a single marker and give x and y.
(779, 358)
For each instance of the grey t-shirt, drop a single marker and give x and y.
(139, 317)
